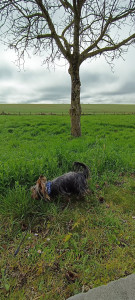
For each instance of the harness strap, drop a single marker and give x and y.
(48, 187)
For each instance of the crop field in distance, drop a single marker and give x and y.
(64, 109)
(71, 247)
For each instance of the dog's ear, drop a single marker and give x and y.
(41, 180)
(42, 177)
(42, 186)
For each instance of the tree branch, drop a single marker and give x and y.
(125, 42)
(67, 27)
(123, 15)
(44, 36)
(91, 47)
(66, 4)
(52, 29)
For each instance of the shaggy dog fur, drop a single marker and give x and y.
(72, 183)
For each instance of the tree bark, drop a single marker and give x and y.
(75, 110)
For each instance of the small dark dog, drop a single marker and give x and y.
(72, 183)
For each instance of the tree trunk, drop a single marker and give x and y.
(75, 110)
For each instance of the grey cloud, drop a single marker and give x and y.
(125, 89)
(56, 90)
(6, 72)
(6, 91)
(30, 76)
(10, 71)
(94, 78)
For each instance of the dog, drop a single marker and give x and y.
(68, 184)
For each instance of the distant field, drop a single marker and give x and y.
(64, 109)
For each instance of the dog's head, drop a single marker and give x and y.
(39, 189)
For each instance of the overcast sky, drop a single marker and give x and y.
(36, 84)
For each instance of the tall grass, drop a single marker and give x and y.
(31, 146)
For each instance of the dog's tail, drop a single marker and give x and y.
(77, 166)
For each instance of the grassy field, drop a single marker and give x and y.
(64, 108)
(66, 249)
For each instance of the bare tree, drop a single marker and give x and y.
(74, 29)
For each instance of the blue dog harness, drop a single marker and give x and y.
(48, 187)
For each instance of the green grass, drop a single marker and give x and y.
(64, 109)
(34, 145)
(67, 249)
